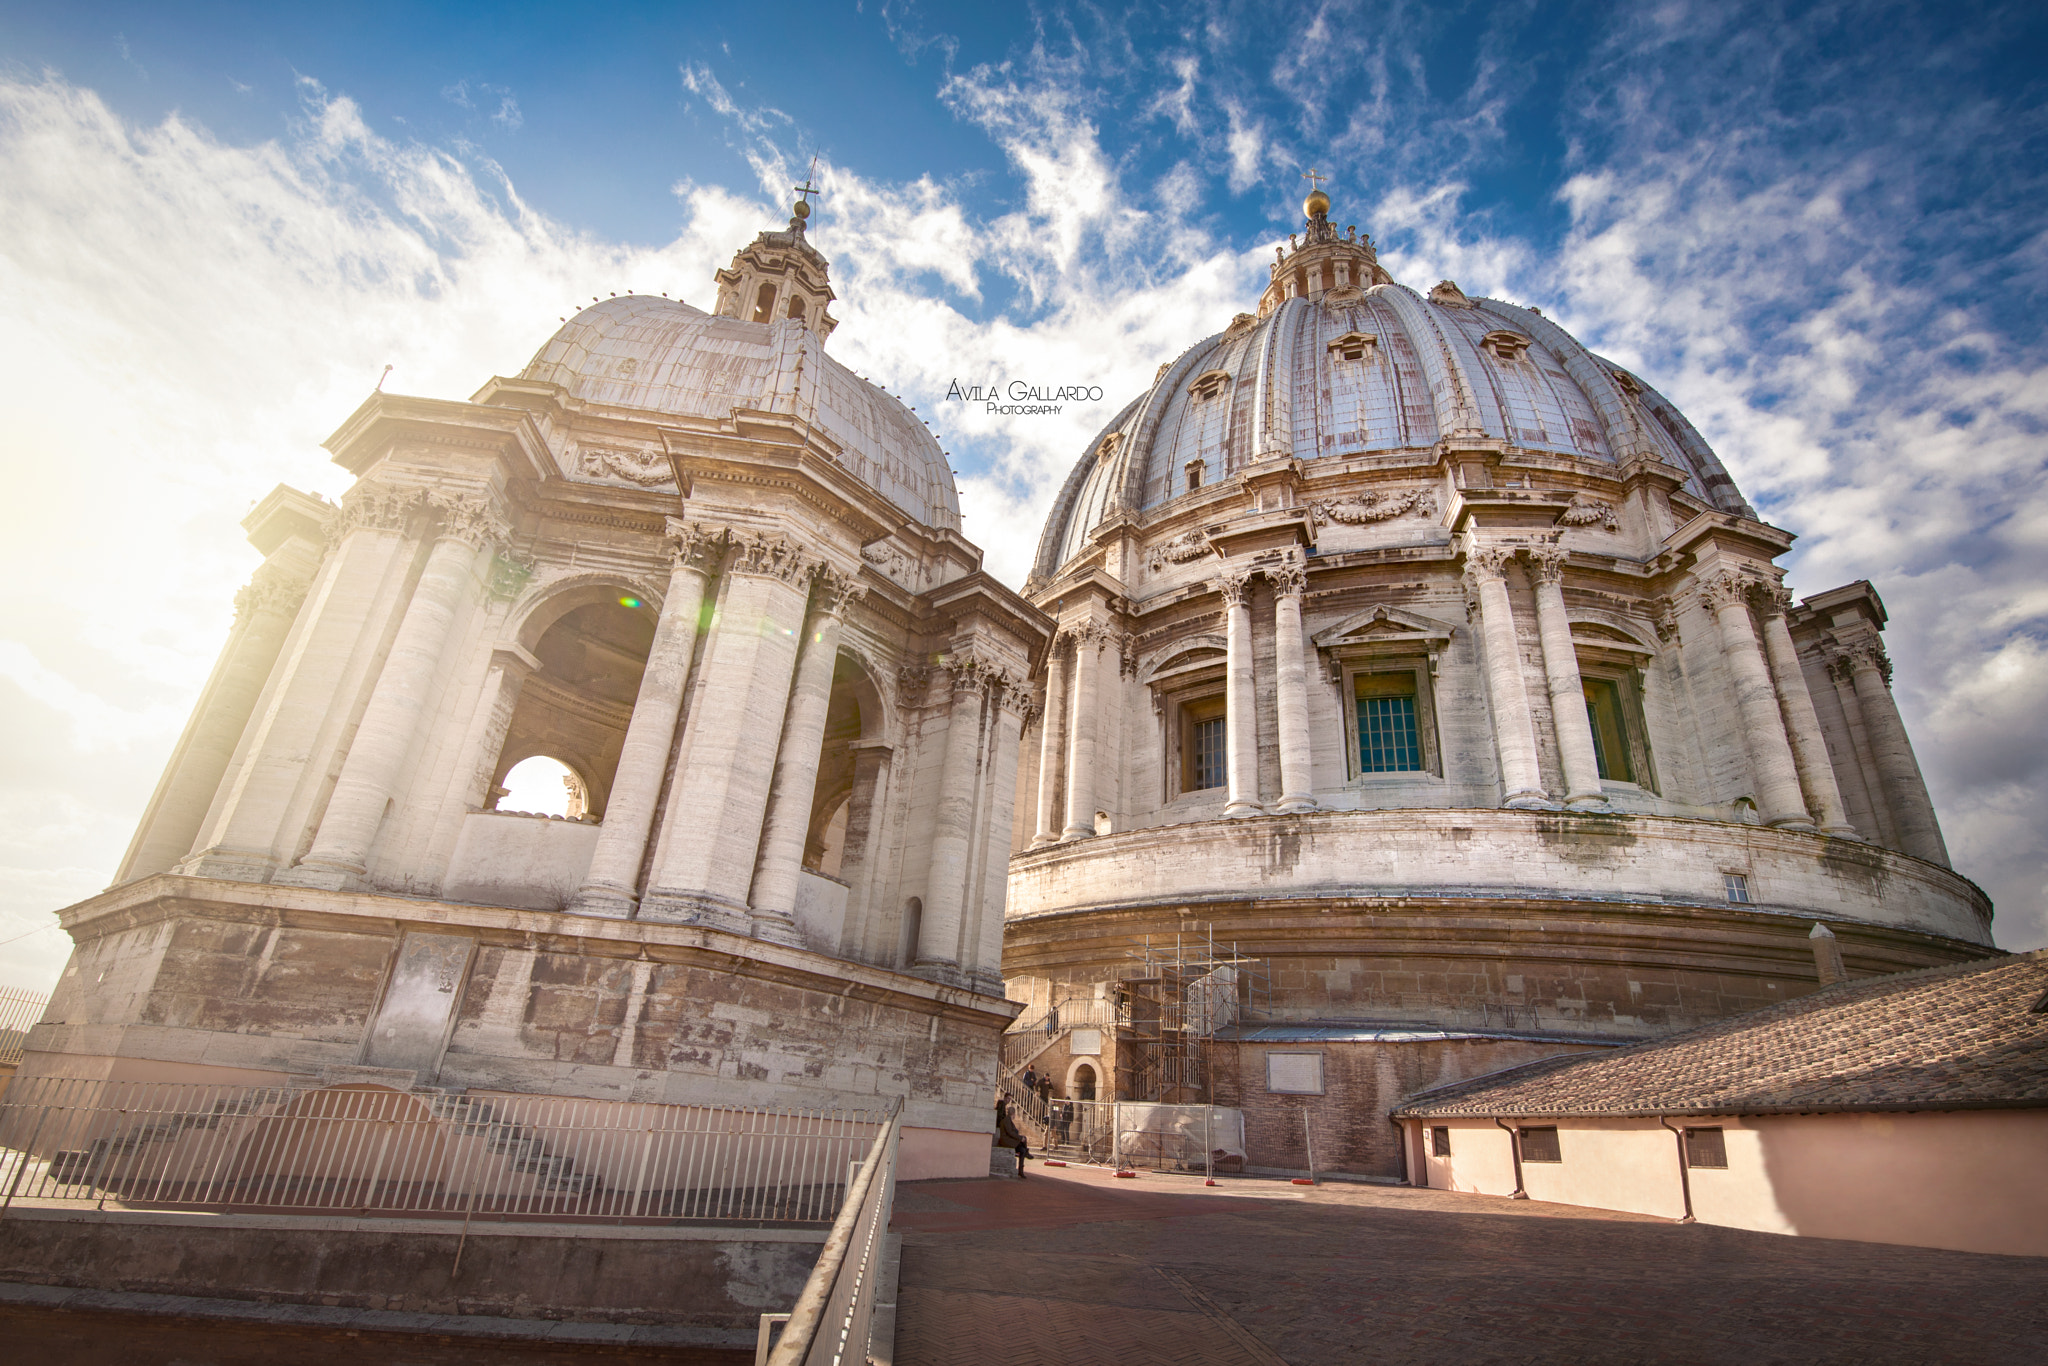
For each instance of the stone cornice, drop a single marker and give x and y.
(386, 419)
(162, 897)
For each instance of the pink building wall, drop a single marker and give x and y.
(1973, 1181)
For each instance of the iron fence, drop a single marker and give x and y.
(371, 1149)
(832, 1323)
(19, 1012)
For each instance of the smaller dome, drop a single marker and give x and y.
(661, 356)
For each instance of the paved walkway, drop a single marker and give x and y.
(1072, 1267)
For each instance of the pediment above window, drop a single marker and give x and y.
(1386, 626)
(1185, 660)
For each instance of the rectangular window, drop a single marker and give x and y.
(1705, 1148)
(1610, 732)
(1440, 1141)
(1388, 741)
(1737, 887)
(1540, 1145)
(1211, 769)
(1294, 1074)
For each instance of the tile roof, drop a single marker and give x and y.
(1967, 1036)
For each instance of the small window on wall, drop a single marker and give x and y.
(1204, 738)
(1705, 1148)
(1440, 1141)
(1389, 740)
(1737, 887)
(1294, 1074)
(1610, 730)
(1540, 1145)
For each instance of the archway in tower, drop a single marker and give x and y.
(573, 710)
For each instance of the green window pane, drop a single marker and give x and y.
(1387, 739)
(1610, 739)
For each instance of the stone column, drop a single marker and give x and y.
(985, 972)
(1561, 672)
(385, 735)
(779, 865)
(1297, 764)
(938, 941)
(1772, 770)
(720, 790)
(1842, 673)
(865, 809)
(1052, 742)
(1905, 790)
(1241, 701)
(612, 886)
(1081, 729)
(1514, 730)
(264, 612)
(1802, 726)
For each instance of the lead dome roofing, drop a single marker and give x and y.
(663, 356)
(1428, 373)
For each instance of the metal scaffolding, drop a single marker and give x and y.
(1170, 1009)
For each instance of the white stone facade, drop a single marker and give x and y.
(722, 580)
(1509, 688)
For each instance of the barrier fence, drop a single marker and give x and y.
(369, 1149)
(834, 1318)
(19, 1011)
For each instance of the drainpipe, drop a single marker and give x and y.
(1515, 1152)
(1684, 1177)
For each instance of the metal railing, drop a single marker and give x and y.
(833, 1320)
(371, 1149)
(19, 1012)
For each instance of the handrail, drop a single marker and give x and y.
(830, 1324)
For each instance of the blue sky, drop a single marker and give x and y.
(1818, 228)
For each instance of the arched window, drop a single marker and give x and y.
(913, 926)
(764, 304)
(572, 710)
(543, 785)
(796, 307)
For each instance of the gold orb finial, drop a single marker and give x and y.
(1317, 205)
(802, 209)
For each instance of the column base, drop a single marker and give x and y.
(775, 928)
(609, 902)
(229, 866)
(1802, 823)
(1289, 806)
(1586, 801)
(696, 908)
(1239, 810)
(326, 876)
(1076, 832)
(1529, 801)
(1041, 841)
(1843, 832)
(940, 971)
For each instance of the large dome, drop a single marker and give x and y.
(657, 355)
(1378, 371)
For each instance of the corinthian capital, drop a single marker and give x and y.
(1486, 562)
(1725, 588)
(1289, 580)
(270, 590)
(469, 518)
(1234, 585)
(1771, 599)
(374, 506)
(1545, 564)
(694, 545)
(837, 591)
(769, 556)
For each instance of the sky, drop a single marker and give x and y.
(1817, 228)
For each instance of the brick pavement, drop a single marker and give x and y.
(1073, 1267)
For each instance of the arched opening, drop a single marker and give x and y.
(573, 709)
(764, 305)
(1084, 1081)
(542, 785)
(913, 926)
(796, 306)
(840, 800)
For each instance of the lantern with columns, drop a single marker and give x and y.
(1436, 665)
(719, 581)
